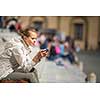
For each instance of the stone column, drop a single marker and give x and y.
(65, 24)
(93, 30)
(25, 21)
(52, 22)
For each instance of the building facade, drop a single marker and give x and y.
(85, 29)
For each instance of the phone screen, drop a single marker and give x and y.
(46, 50)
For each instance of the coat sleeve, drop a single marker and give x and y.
(26, 64)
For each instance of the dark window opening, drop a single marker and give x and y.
(78, 29)
(38, 25)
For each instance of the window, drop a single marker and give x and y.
(78, 31)
(38, 25)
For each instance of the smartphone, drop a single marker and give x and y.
(46, 49)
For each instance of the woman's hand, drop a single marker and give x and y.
(44, 52)
(40, 55)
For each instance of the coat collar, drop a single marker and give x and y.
(26, 46)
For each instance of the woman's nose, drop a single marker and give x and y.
(34, 40)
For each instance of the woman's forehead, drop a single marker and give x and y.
(33, 34)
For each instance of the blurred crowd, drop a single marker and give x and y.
(60, 47)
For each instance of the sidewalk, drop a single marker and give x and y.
(59, 74)
(91, 61)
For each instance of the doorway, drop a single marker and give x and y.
(78, 31)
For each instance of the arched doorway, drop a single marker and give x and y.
(78, 30)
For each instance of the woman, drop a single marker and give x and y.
(15, 63)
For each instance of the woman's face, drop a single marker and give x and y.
(31, 40)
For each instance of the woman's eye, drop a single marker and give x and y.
(33, 38)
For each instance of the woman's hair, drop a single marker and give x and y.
(26, 32)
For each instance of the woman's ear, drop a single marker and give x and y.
(24, 37)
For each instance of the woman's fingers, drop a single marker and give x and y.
(44, 53)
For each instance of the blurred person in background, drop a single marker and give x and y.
(43, 41)
(11, 24)
(18, 26)
(1, 22)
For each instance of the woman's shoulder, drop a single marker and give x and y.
(13, 43)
